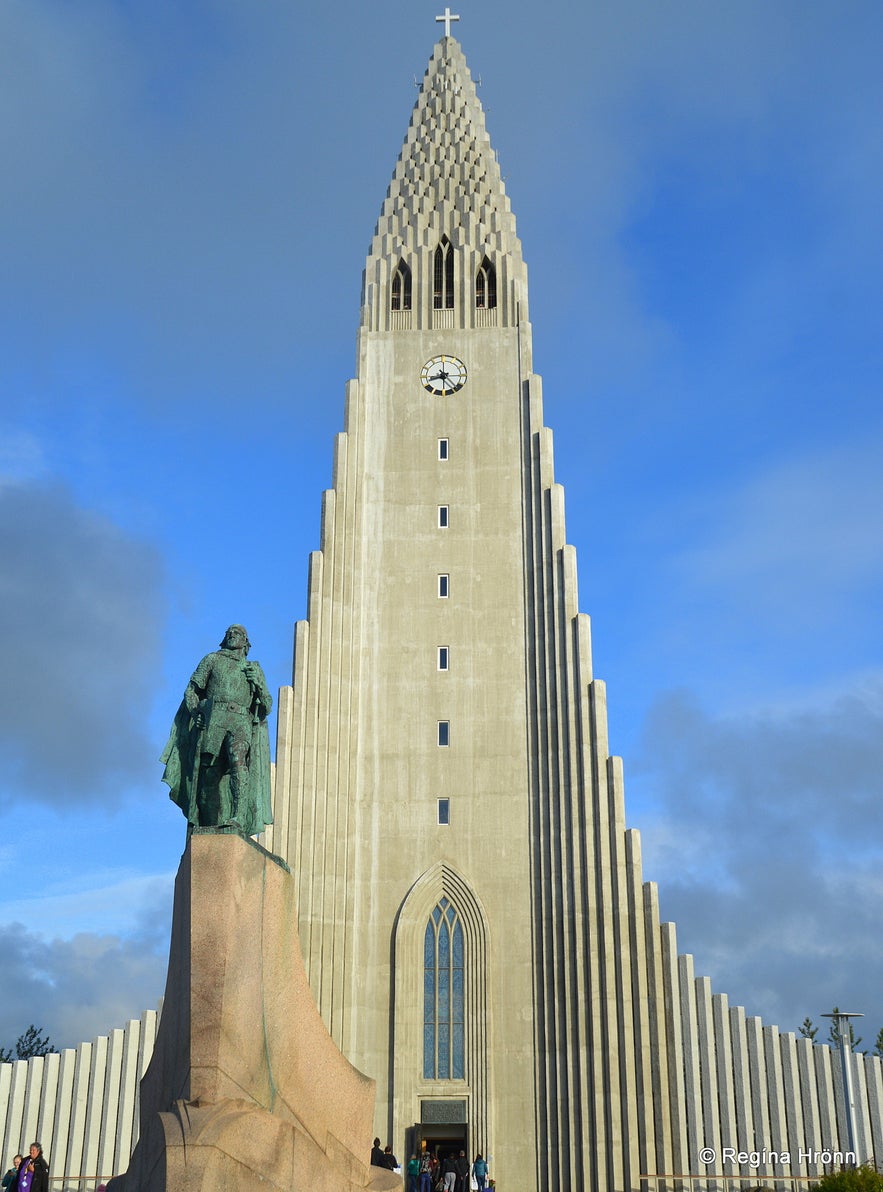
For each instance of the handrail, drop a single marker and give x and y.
(757, 1180)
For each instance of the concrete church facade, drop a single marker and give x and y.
(474, 922)
(473, 917)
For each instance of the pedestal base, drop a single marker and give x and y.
(246, 1087)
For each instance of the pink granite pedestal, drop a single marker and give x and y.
(246, 1088)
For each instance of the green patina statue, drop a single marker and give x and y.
(218, 756)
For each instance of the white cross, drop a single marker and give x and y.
(447, 17)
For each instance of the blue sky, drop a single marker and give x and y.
(189, 192)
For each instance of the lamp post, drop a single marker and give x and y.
(841, 1029)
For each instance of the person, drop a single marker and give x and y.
(479, 1170)
(425, 1172)
(33, 1174)
(389, 1158)
(461, 1166)
(449, 1170)
(217, 760)
(377, 1156)
(413, 1173)
(11, 1176)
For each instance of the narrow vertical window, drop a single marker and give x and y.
(444, 732)
(486, 285)
(442, 517)
(443, 658)
(443, 587)
(443, 994)
(443, 449)
(444, 811)
(443, 276)
(401, 287)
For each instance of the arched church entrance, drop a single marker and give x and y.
(441, 1033)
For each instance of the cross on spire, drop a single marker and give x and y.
(447, 16)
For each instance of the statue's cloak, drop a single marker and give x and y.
(182, 758)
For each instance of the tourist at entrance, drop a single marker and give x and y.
(449, 1170)
(425, 1172)
(413, 1173)
(461, 1166)
(479, 1171)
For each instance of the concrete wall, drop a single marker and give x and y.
(81, 1104)
(735, 1086)
(743, 1086)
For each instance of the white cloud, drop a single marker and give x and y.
(78, 902)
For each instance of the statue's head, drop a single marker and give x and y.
(236, 638)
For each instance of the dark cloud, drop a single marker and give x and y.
(766, 844)
(85, 986)
(80, 631)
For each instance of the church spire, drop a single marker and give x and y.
(445, 250)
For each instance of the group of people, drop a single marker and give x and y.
(383, 1158)
(428, 1173)
(27, 1174)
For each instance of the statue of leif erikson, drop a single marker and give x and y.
(218, 756)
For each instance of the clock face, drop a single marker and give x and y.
(443, 374)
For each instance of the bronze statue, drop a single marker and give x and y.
(218, 756)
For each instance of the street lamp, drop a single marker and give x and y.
(842, 1030)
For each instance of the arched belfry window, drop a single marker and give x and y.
(486, 285)
(443, 999)
(401, 287)
(443, 276)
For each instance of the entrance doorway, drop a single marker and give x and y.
(439, 1140)
(443, 1129)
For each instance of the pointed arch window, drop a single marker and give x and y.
(486, 285)
(443, 276)
(400, 298)
(443, 995)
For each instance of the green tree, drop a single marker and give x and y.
(878, 1043)
(807, 1029)
(32, 1042)
(851, 1179)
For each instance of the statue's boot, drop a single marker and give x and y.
(238, 787)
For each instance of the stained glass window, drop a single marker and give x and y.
(443, 995)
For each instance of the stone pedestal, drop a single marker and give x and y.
(246, 1086)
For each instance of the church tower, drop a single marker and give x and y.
(449, 806)
(472, 914)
